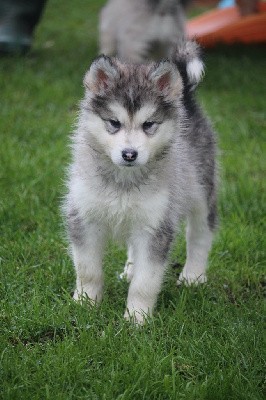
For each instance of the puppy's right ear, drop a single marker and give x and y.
(101, 76)
(166, 79)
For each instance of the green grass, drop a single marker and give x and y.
(204, 342)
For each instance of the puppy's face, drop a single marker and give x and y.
(133, 110)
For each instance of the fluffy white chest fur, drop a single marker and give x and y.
(121, 211)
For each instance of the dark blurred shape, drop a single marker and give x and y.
(18, 19)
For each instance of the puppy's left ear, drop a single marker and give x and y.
(101, 75)
(167, 79)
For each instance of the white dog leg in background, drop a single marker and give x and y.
(107, 35)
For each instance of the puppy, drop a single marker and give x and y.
(135, 30)
(143, 160)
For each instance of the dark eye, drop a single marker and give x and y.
(147, 125)
(115, 124)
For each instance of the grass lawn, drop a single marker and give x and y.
(204, 342)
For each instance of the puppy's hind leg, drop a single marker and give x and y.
(129, 266)
(199, 237)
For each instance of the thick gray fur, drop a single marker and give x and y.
(144, 204)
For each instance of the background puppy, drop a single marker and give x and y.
(140, 29)
(143, 160)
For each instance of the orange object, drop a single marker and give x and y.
(228, 26)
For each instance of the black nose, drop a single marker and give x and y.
(129, 154)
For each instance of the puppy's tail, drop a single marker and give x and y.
(187, 57)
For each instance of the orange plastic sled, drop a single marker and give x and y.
(228, 26)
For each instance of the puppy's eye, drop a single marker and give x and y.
(149, 127)
(115, 124)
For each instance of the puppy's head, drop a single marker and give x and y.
(133, 109)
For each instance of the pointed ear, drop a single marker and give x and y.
(101, 75)
(167, 79)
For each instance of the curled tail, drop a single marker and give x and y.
(187, 57)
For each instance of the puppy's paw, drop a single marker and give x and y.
(93, 296)
(127, 274)
(189, 279)
(137, 318)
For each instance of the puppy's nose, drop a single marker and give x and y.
(129, 154)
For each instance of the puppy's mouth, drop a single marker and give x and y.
(128, 164)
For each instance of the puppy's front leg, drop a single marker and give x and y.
(87, 251)
(150, 255)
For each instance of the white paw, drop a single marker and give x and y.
(127, 274)
(77, 296)
(94, 296)
(189, 279)
(136, 317)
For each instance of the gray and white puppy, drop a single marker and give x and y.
(136, 30)
(143, 161)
